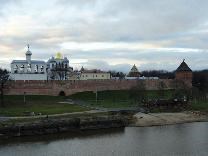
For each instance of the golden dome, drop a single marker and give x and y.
(59, 55)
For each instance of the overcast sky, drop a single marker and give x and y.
(107, 34)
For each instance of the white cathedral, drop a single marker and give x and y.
(28, 69)
(55, 69)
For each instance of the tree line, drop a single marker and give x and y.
(162, 74)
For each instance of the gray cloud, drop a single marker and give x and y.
(162, 24)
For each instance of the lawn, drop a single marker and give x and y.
(126, 98)
(46, 105)
(199, 105)
(117, 98)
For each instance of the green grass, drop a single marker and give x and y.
(126, 98)
(15, 106)
(200, 105)
(117, 98)
(107, 99)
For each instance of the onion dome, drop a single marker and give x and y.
(52, 59)
(82, 69)
(59, 55)
(66, 60)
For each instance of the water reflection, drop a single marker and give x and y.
(62, 136)
(185, 139)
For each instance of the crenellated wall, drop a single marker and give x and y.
(71, 87)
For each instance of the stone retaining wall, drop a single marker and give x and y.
(51, 126)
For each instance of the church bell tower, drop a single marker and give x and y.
(28, 54)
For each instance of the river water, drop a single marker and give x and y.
(189, 139)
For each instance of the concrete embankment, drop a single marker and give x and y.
(58, 125)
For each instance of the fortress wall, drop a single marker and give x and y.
(71, 87)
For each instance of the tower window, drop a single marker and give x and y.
(36, 68)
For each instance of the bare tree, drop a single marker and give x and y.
(4, 77)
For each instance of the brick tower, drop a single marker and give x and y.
(134, 72)
(184, 73)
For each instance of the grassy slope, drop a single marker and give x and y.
(125, 98)
(116, 99)
(38, 104)
(108, 99)
(200, 105)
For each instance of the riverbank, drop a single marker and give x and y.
(158, 119)
(76, 122)
(68, 123)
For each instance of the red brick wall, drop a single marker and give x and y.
(184, 76)
(71, 87)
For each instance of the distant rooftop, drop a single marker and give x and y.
(134, 69)
(91, 71)
(183, 67)
(32, 62)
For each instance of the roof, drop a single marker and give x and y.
(134, 69)
(93, 71)
(183, 67)
(25, 62)
(59, 55)
(28, 52)
(52, 59)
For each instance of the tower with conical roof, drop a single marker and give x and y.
(184, 73)
(134, 72)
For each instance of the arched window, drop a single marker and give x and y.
(36, 69)
(16, 69)
(41, 69)
(29, 67)
(22, 68)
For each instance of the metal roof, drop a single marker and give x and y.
(25, 62)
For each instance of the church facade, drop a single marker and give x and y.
(58, 68)
(28, 69)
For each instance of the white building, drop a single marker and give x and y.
(93, 74)
(28, 69)
(58, 68)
